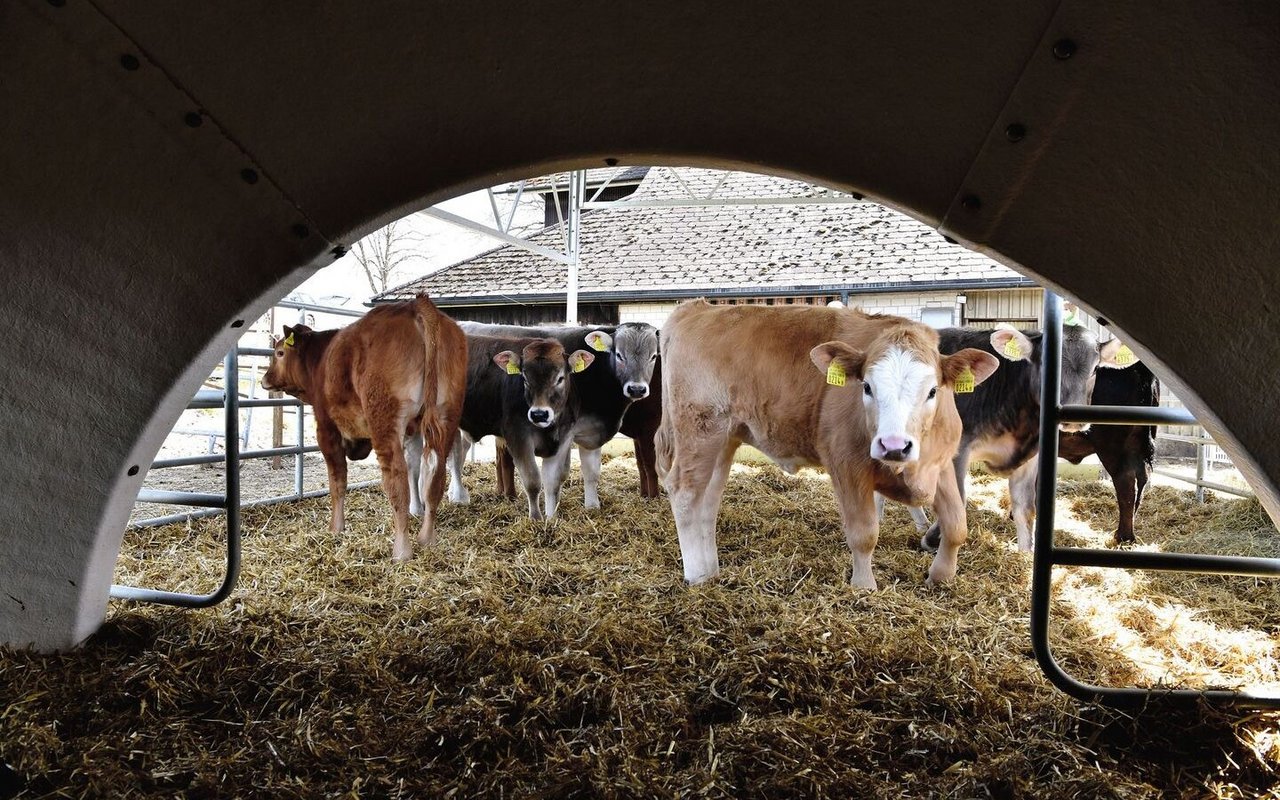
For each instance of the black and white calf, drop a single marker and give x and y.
(1127, 452)
(1001, 416)
(619, 376)
(524, 391)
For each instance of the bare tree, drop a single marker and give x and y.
(383, 252)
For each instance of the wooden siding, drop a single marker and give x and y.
(531, 314)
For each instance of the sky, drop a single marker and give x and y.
(436, 245)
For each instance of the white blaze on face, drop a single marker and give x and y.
(899, 392)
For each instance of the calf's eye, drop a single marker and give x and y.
(866, 389)
(933, 392)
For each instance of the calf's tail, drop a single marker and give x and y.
(444, 371)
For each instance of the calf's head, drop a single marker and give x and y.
(545, 369)
(286, 372)
(635, 352)
(1082, 357)
(901, 377)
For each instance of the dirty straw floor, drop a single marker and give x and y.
(568, 660)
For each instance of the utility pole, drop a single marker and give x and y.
(277, 413)
(577, 188)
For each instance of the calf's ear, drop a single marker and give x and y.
(1115, 354)
(1011, 344)
(508, 361)
(845, 357)
(599, 341)
(979, 362)
(579, 360)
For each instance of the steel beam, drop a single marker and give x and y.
(516, 241)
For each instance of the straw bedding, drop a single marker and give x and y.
(566, 659)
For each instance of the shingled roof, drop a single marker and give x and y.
(725, 250)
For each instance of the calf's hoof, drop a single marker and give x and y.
(461, 498)
(415, 509)
(400, 553)
(939, 575)
(930, 541)
(699, 578)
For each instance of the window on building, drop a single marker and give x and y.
(938, 316)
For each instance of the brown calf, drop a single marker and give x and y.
(398, 372)
(883, 419)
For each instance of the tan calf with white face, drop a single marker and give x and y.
(877, 414)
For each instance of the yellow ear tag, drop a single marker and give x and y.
(513, 368)
(964, 382)
(835, 374)
(1124, 356)
(597, 344)
(289, 340)
(579, 363)
(1012, 349)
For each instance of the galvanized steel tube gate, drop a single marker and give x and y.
(1047, 555)
(229, 502)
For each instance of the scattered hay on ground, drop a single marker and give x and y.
(566, 659)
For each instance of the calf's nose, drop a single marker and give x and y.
(540, 416)
(636, 391)
(894, 448)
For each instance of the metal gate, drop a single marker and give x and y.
(1047, 555)
(229, 502)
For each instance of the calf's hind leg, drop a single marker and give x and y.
(433, 465)
(457, 459)
(413, 461)
(335, 460)
(1022, 502)
(388, 444)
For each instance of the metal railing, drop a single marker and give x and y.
(229, 503)
(1047, 555)
(1202, 444)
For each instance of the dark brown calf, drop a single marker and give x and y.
(399, 371)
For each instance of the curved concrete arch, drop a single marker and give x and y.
(167, 171)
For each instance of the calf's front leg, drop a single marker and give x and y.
(948, 503)
(527, 465)
(856, 500)
(590, 460)
(960, 468)
(554, 470)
